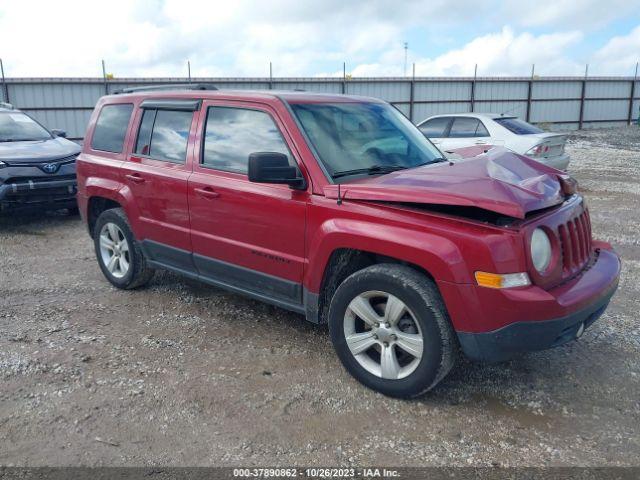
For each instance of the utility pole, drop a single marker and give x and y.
(189, 70)
(5, 87)
(406, 48)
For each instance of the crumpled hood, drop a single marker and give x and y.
(499, 180)
(37, 151)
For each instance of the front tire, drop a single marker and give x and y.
(119, 255)
(391, 331)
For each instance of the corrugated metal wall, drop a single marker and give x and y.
(561, 102)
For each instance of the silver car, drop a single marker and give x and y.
(37, 166)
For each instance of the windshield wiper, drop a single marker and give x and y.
(372, 170)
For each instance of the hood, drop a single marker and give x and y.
(37, 151)
(498, 180)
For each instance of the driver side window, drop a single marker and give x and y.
(233, 133)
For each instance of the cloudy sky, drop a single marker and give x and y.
(313, 38)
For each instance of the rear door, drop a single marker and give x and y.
(245, 235)
(156, 175)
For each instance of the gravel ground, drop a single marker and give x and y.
(184, 374)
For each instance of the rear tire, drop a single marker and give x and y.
(413, 346)
(119, 254)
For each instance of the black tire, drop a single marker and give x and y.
(139, 272)
(422, 298)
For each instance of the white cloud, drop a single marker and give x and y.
(619, 55)
(562, 13)
(502, 53)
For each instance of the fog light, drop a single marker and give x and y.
(506, 280)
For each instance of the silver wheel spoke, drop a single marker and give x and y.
(394, 309)
(124, 265)
(360, 342)
(113, 232)
(389, 366)
(113, 261)
(106, 242)
(363, 309)
(411, 343)
(124, 246)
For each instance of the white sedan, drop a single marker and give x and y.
(459, 130)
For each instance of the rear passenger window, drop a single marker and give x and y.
(111, 128)
(435, 127)
(467, 127)
(232, 134)
(163, 135)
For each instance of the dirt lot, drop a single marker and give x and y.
(184, 374)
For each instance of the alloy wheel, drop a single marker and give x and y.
(383, 335)
(114, 250)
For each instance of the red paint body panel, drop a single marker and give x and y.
(291, 235)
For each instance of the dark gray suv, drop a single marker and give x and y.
(37, 166)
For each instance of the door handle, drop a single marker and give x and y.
(135, 178)
(207, 192)
(481, 142)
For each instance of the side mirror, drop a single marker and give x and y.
(272, 167)
(59, 133)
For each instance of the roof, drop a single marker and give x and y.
(490, 116)
(269, 95)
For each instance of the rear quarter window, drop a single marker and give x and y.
(111, 128)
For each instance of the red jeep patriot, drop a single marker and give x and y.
(338, 208)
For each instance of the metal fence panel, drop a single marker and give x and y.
(517, 108)
(421, 111)
(601, 110)
(602, 89)
(389, 91)
(556, 89)
(501, 90)
(441, 91)
(558, 111)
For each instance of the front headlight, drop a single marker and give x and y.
(540, 250)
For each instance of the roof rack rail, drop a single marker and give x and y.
(168, 86)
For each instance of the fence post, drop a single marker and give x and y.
(473, 89)
(582, 94)
(189, 70)
(5, 87)
(529, 92)
(411, 94)
(270, 76)
(344, 77)
(104, 79)
(632, 96)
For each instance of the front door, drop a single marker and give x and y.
(245, 235)
(156, 174)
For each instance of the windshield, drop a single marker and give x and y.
(517, 126)
(17, 127)
(363, 138)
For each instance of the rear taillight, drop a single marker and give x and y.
(538, 150)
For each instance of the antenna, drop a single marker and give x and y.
(406, 48)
